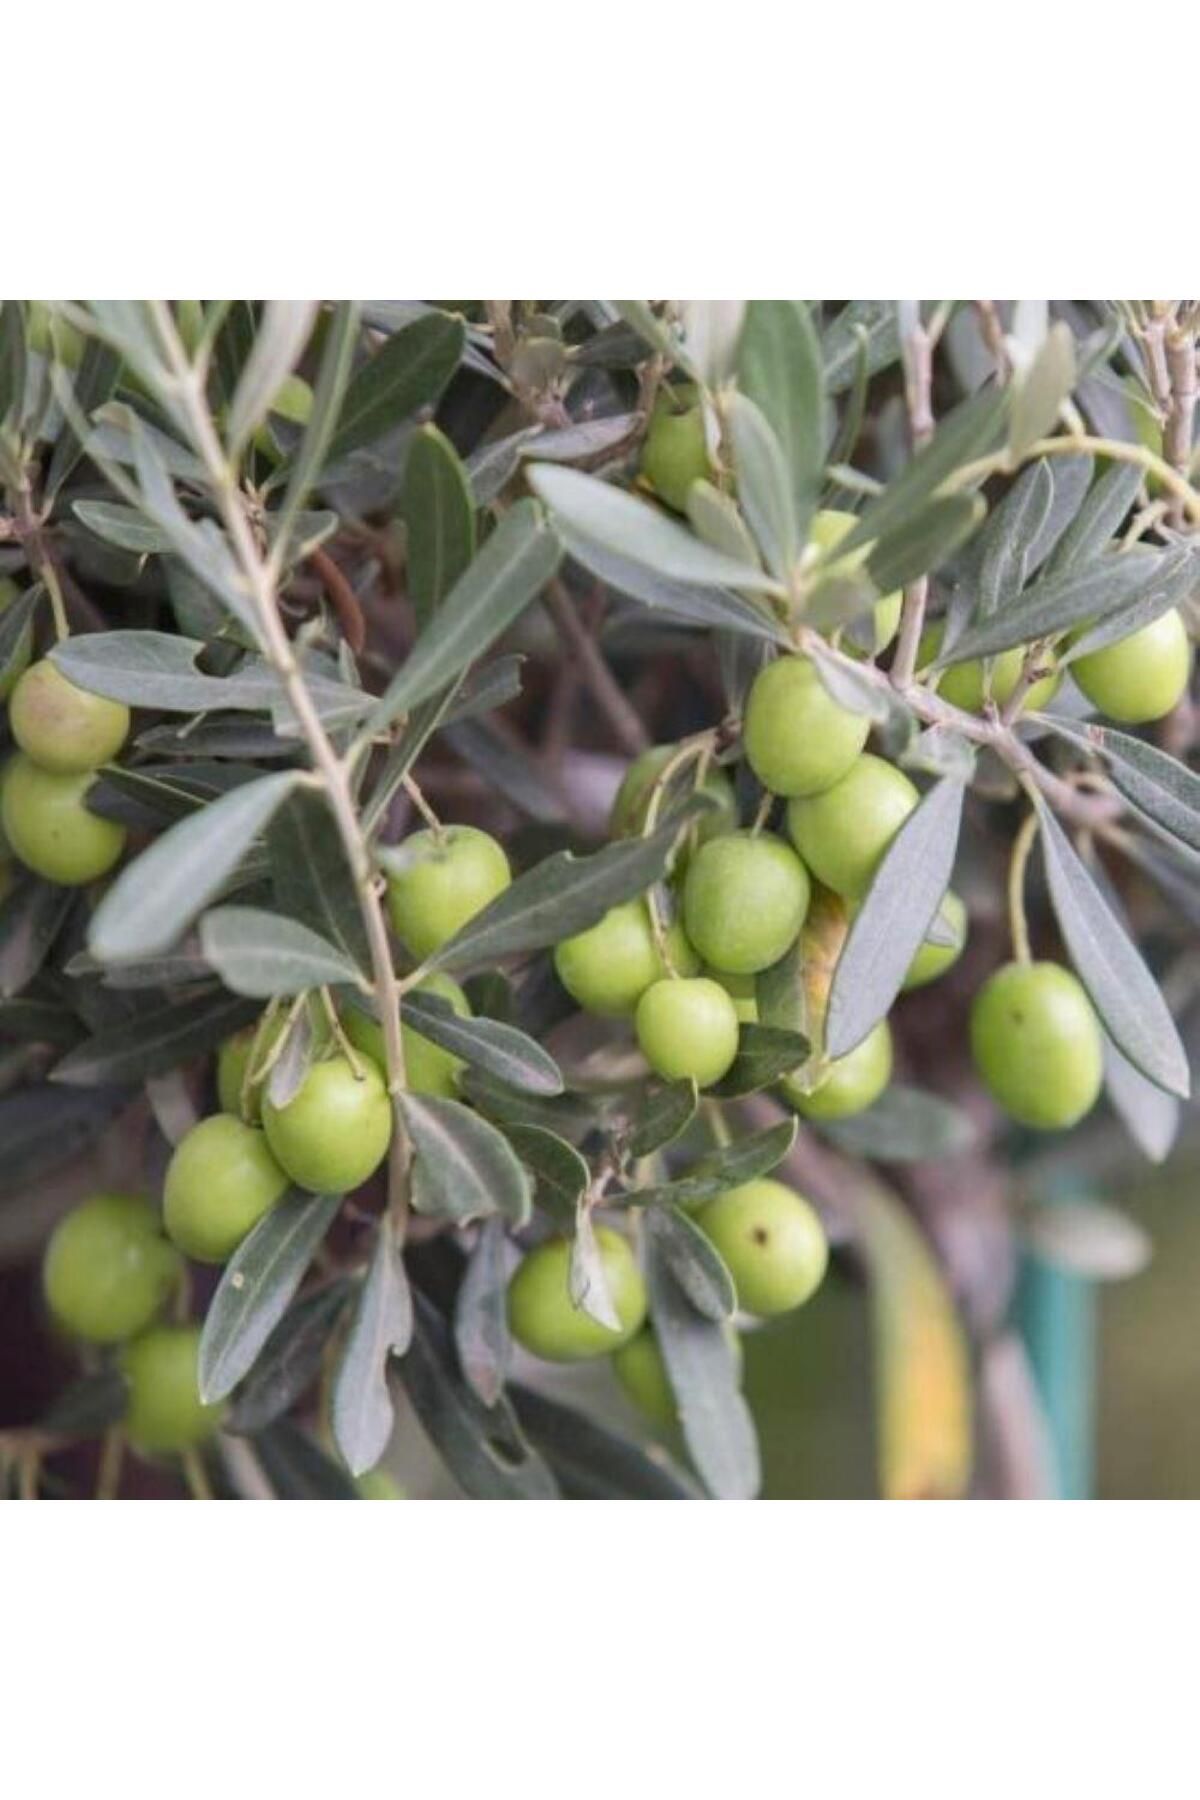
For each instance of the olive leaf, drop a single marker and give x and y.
(1096, 520)
(664, 1115)
(1121, 987)
(764, 488)
(695, 1262)
(744, 1160)
(1151, 1117)
(262, 954)
(561, 1173)
(290, 1360)
(781, 372)
(591, 1462)
(1165, 790)
(463, 1167)
(587, 1280)
(974, 427)
(438, 509)
(178, 1029)
(481, 1335)
(488, 1044)
(764, 1053)
(361, 1412)
(407, 372)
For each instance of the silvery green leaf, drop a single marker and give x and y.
(362, 1413)
(463, 1167)
(710, 330)
(889, 927)
(1178, 582)
(154, 900)
(591, 1462)
(257, 1287)
(744, 1160)
(1099, 516)
(407, 372)
(290, 1360)
(306, 462)
(1122, 989)
(1006, 544)
(715, 1420)
(765, 1052)
(840, 344)
(581, 440)
(177, 1029)
(282, 333)
(481, 1334)
(764, 487)
(781, 369)
(1060, 602)
(264, 955)
(904, 1125)
(681, 602)
(694, 1260)
(587, 1281)
(715, 517)
(438, 510)
(1042, 389)
(974, 428)
(124, 526)
(488, 1044)
(1160, 786)
(1150, 1117)
(510, 570)
(665, 1114)
(925, 540)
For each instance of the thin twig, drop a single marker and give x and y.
(627, 727)
(918, 395)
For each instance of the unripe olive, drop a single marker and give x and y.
(854, 1082)
(771, 1241)
(798, 738)
(428, 1069)
(50, 828)
(1140, 677)
(62, 727)
(444, 878)
(743, 991)
(1037, 1044)
(164, 1411)
(608, 968)
(744, 901)
(545, 1320)
(221, 1180)
(843, 834)
(933, 960)
(688, 1030)
(963, 684)
(336, 1130)
(233, 1060)
(377, 1484)
(108, 1268)
(23, 649)
(292, 402)
(641, 1371)
(675, 452)
(828, 529)
(632, 800)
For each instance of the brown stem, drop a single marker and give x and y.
(1178, 430)
(918, 392)
(342, 598)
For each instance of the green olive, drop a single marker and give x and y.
(629, 808)
(440, 880)
(688, 1030)
(165, 1412)
(799, 740)
(843, 834)
(744, 901)
(545, 1320)
(335, 1132)
(743, 991)
(854, 1081)
(933, 960)
(50, 829)
(1037, 1044)
(828, 529)
(108, 1268)
(966, 684)
(428, 1069)
(675, 452)
(377, 1484)
(608, 968)
(62, 727)
(771, 1241)
(642, 1373)
(221, 1180)
(1141, 677)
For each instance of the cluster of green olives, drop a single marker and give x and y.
(63, 734)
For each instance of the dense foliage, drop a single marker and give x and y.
(511, 822)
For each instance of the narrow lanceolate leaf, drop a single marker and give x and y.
(561, 1173)
(156, 898)
(485, 1043)
(312, 879)
(1007, 543)
(974, 428)
(715, 1420)
(309, 457)
(257, 1287)
(152, 1042)
(890, 926)
(924, 541)
(694, 1261)
(31, 917)
(16, 628)
(482, 1446)
(1062, 602)
(780, 369)
(1071, 477)
(922, 1360)
(591, 1462)
(681, 602)
(438, 509)
(408, 372)
(666, 1112)
(765, 1052)
(1041, 391)
(904, 1125)
(281, 336)
(587, 1282)
(747, 1159)
(607, 516)
(1122, 989)
(512, 568)
(1161, 787)
(290, 1360)
(1097, 519)
(481, 1334)
(1177, 584)
(464, 1168)
(764, 486)
(123, 526)
(1149, 1116)
(94, 384)
(263, 954)
(562, 895)
(382, 1327)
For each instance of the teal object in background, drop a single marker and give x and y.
(1056, 1315)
